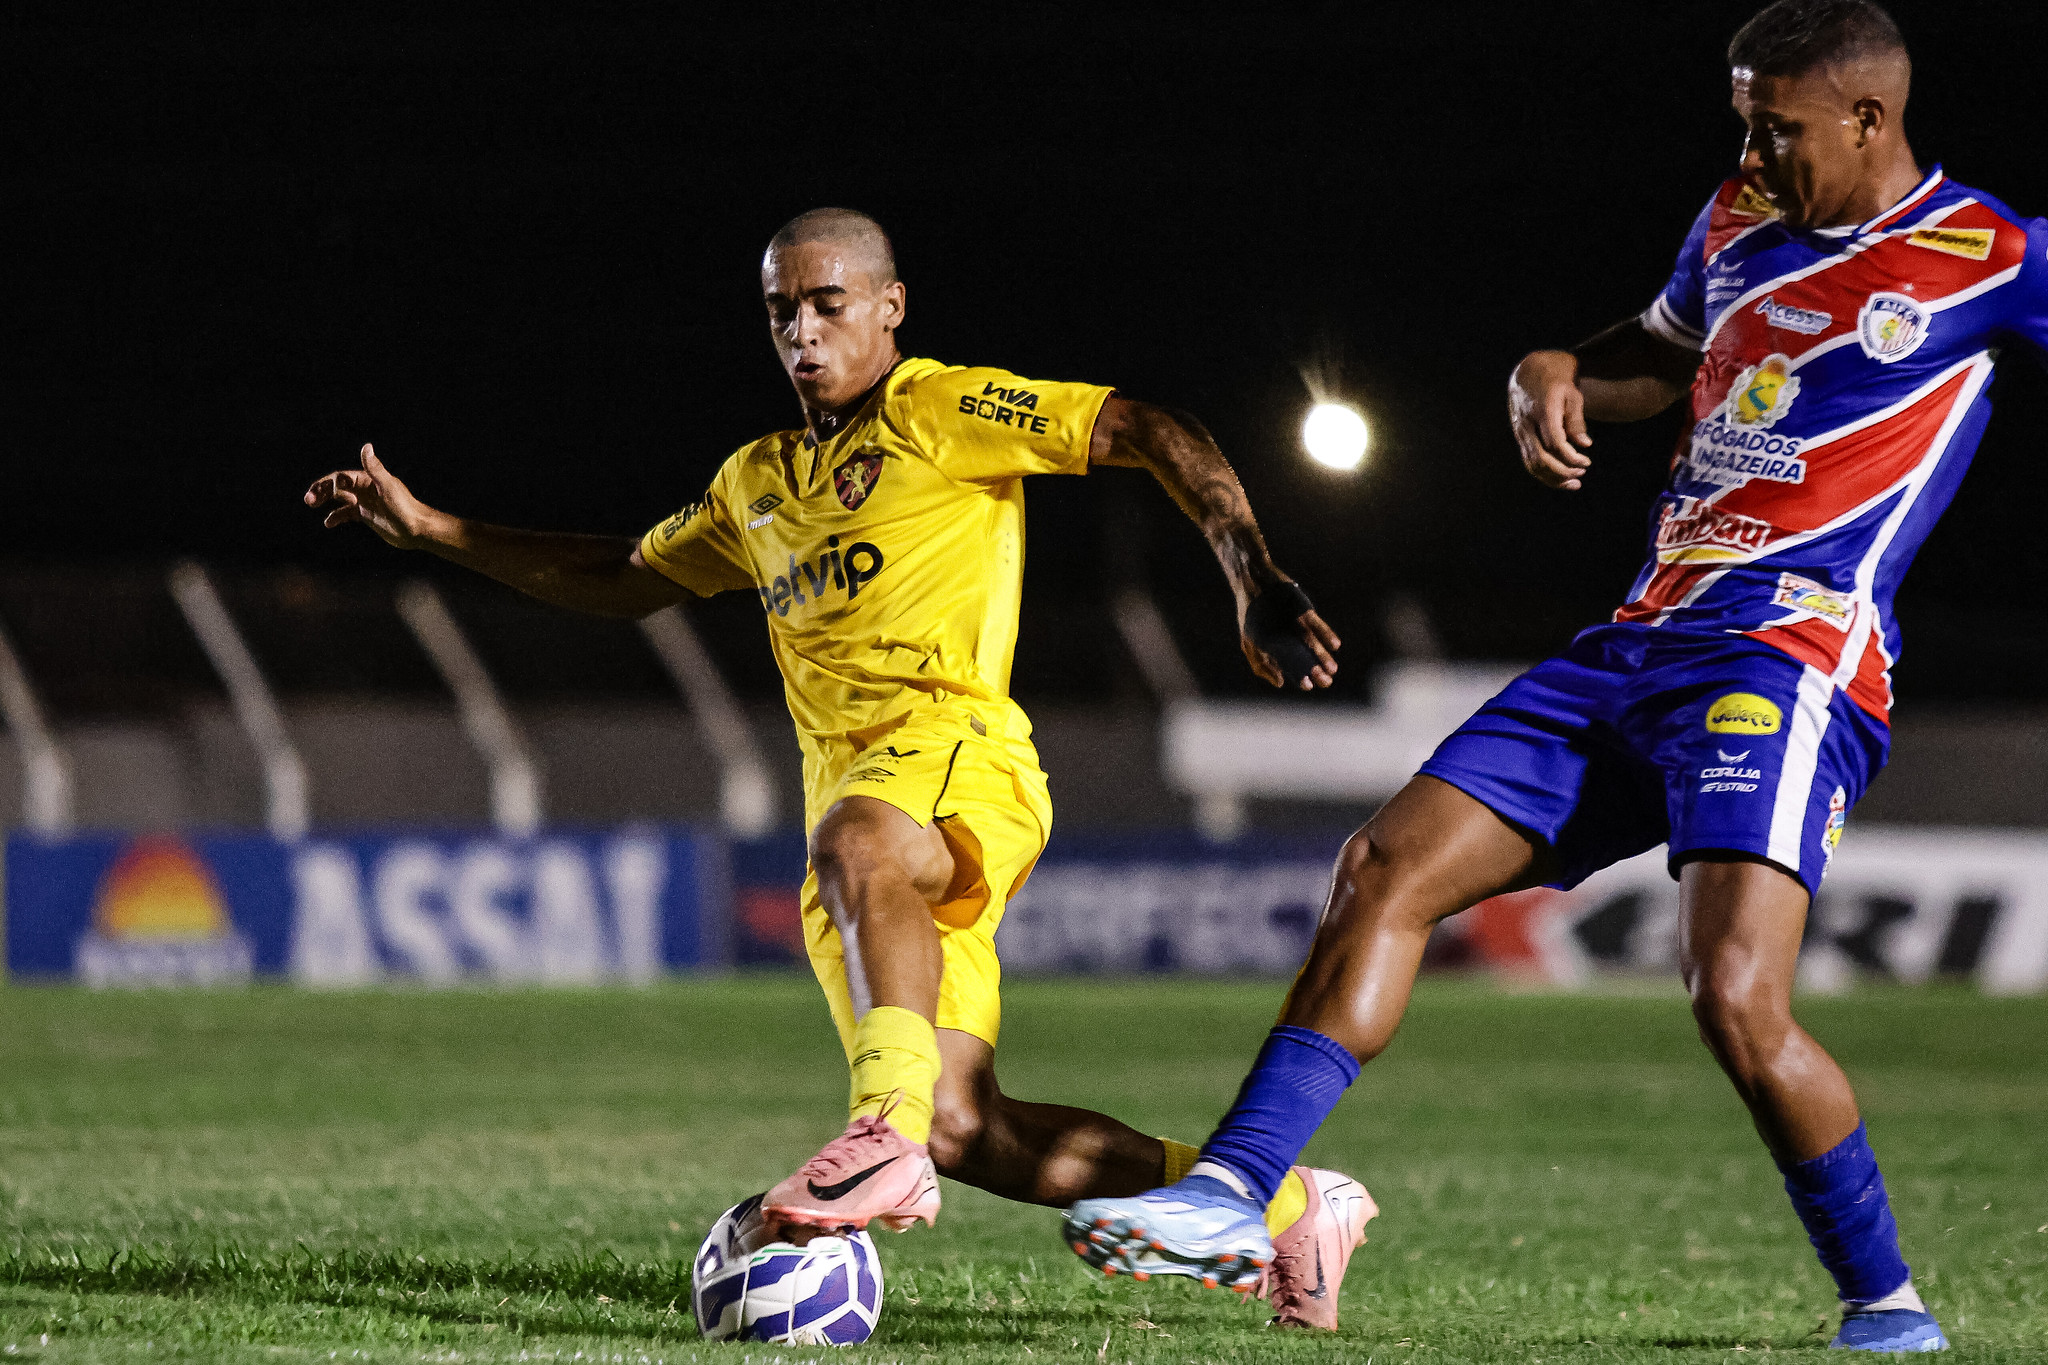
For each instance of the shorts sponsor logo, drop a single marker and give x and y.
(1838, 819)
(1751, 203)
(1690, 531)
(1744, 713)
(1891, 327)
(1727, 757)
(1973, 244)
(1730, 777)
(856, 477)
(1804, 595)
(1803, 320)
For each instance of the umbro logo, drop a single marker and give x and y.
(768, 502)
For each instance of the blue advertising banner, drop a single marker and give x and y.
(437, 908)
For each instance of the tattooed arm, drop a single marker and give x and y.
(1181, 454)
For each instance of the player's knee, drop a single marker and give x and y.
(1379, 875)
(959, 1118)
(850, 851)
(1739, 1017)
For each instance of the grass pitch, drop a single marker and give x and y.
(277, 1176)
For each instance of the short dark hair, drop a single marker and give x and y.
(1792, 37)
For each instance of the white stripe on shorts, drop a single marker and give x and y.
(1802, 759)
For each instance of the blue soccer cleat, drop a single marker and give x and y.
(1894, 1329)
(1199, 1227)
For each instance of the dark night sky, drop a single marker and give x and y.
(520, 257)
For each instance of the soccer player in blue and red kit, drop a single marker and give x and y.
(1835, 314)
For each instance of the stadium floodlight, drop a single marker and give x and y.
(1335, 436)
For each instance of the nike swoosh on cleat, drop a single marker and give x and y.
(1322, 1290)
(851, 1183)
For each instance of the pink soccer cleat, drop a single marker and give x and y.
(869, 1171)
(1310, 1257)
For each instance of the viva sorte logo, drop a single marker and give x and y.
(836, 571)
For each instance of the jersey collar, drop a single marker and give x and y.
(1915, 196)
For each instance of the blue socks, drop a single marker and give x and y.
(1840, 1197)
(1297, 1081)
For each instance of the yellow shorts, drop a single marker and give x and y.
(989, 798)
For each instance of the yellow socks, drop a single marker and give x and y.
(1289, 1204)
(895, 1066)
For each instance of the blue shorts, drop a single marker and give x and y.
(1637, 736)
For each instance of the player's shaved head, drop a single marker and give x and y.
(1855, 40)
(864, 244)
(834, 303)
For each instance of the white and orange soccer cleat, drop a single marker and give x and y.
(868, 1172)
(1311, 1255)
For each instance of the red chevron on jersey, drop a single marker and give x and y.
(1840, 395)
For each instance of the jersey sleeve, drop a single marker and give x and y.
(986, 426)
(699, 547)
(2028, 318)
(1679, 313)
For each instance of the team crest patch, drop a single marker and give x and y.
(1744, 713)
(856, 477)
(1804, 595)
(1763, 393)
(1891, 327)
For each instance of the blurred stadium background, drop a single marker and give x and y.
(210, 775)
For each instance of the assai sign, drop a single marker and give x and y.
(432, 908)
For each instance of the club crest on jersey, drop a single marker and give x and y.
(1763, 393)
(856, 477)
(1891, 327)
(1809, 598)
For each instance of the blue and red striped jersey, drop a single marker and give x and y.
(1841, 394)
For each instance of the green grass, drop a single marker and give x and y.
(278, 1176)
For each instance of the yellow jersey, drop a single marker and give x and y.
(889, 559)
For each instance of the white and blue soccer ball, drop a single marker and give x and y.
(745, 1287)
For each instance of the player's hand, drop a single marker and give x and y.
(374, 496)
(1284, 640)
(1548, 414)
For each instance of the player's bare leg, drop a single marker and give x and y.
(879, 874)
(1429, 853)
(1740, 926)
(1033, 1153)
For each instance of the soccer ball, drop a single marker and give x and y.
(745, 1287)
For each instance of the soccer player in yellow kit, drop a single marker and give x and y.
(885, 541)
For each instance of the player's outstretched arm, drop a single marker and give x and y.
(1283, 639)
(1622, 375)
(602, 575)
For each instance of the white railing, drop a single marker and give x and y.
(288, 797)
(745, 790)
(515, 781)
